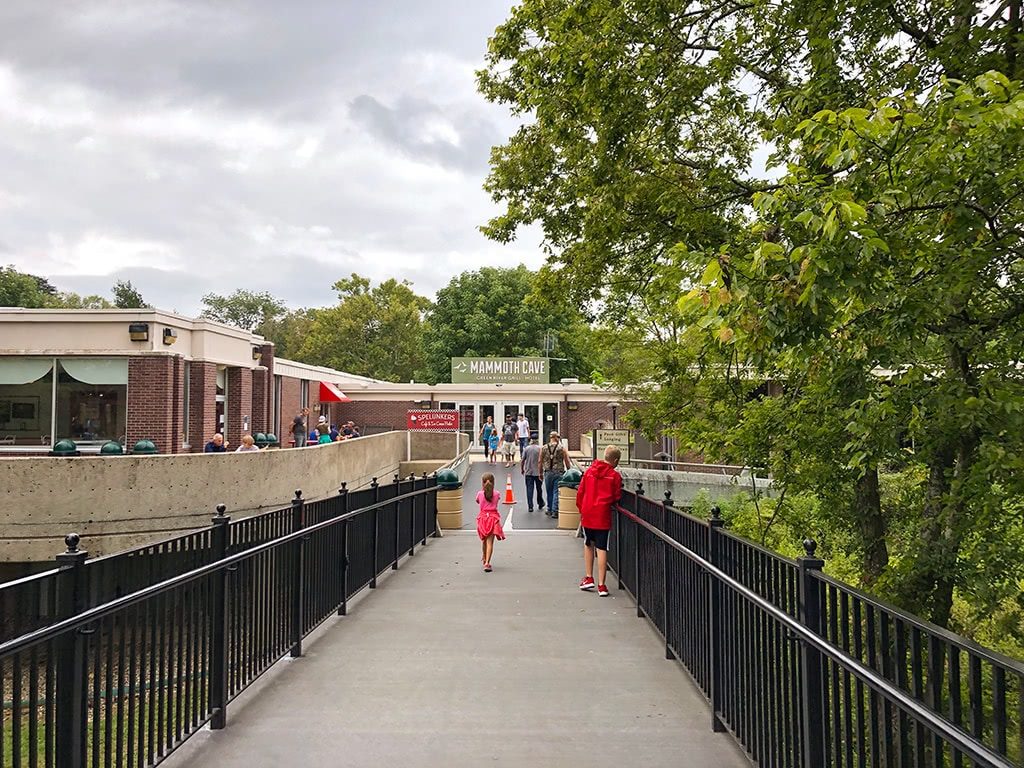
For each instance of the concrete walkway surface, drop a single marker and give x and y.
(445, 665)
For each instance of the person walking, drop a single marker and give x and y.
(599, 490)
(299, 428)
(508, 439)
(488, 520)
(530, 467)
(523, 427)
(553, 462)
(485, 435)
(492, 444)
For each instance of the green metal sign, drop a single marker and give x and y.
(500, 370)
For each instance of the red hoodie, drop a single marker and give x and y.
(600, 488)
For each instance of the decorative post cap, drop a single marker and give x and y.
(810, 547)
(668, 497)
(716, 512)
(72, 540)
(298, 494)
(221, 509)
(344, 488)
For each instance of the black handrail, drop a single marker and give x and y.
(951, 734)
(91, 615)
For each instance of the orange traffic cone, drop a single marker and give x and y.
(509, 498)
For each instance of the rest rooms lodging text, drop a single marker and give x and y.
(503, 370)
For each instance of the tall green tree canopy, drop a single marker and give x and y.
(376, 332)
(876, 274)
(243, 309)
(127, 296)
(498, 312)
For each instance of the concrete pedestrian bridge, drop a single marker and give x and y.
(351, 631)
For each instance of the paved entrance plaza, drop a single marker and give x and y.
(445, 665)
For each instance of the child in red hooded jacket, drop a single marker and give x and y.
(600, 488)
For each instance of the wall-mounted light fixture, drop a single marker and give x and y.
(170, 336)
(138, 331)
(572, 406)
(425, 405)
(615, 414)
(257, 353)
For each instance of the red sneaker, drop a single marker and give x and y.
(587, 583)
(602, 590)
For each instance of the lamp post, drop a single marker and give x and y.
(615, 409)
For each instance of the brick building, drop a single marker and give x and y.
(128, 375)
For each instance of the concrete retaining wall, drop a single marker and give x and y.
(119, 502)
(686, 485)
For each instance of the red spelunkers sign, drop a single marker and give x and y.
(436, 421)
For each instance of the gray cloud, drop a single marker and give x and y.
(196, 147)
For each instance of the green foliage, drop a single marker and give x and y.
(243, 309)
(876, 279)
(376, 332)
(287, 332)
(504, 313)
(18, 289)
(127, 296)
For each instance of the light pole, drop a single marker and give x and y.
(615, 409)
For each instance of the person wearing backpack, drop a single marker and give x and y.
(554, 460)
(509, 440)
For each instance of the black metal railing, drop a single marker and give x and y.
(806, 671)
(124, 681)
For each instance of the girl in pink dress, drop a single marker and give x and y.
(488, 522)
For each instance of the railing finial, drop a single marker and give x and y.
(810, 547)
(72, 540)
(221, 509)
(716, 512)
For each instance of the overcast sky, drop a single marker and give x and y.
(194, 146)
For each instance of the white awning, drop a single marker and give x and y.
(24, 370)
(96, 370)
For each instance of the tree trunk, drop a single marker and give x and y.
(868, 511)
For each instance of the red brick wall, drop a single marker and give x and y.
(375, 413)
(202, 406)
(239, 404)
(290, 405)
(151, 390)
(587, 416)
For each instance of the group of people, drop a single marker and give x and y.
(323, 432)
(218, 444)
(599, 490)
(514, 434)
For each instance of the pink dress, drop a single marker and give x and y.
(489, 520)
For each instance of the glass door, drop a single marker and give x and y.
(532, 412)
(485, 411)
(467, 422)
(550, 412)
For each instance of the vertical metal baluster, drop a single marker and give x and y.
(16, 716)
(858, 653)
(113, 636)
(887, 672)
(49, 736)
(999, 708)
(902, 722)
(343, 605)
(298, 575)
(161, 672)
(174, 734)
(217, 701)
(873, 700)
(152, 680)
(956, 714)
(936, 668)
(834, 678)
(917, 689)
(33, 707)
(376, 531)
(133, 653)
(715, 650)
(844, 643)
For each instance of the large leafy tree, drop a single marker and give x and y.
(876, 274)
(243, 309)
(18, 289)
(127, 296)
(376, 332)
(505, 313)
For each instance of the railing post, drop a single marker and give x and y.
(637, 591)
(218, 703)
(426, 501)
(666, 510)
(398, 521)
(412, 517)
(298, 574)
(715, 524)
(343, 607)
(812, 694)
(376, 530)
(617, 520)
(71, 712)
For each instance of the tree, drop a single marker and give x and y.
(126, 296)
(288, 332)
(18, 289)
(497, 312)
(878, 278)
(243, 309)
(376, 332)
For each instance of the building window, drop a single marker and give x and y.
(185, 402)
(47, 399)
(304, 393)
(275, 407)
(445, 406)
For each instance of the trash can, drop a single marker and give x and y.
(449, 500)
(568, 513)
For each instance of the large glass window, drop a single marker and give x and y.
(26, 400)
(92, 399)
(43, 399)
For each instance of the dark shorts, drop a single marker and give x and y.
(597, 537)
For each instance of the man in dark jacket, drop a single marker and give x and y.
(599, 490)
